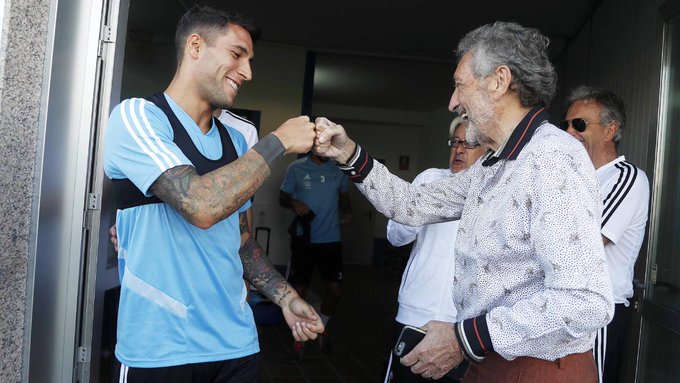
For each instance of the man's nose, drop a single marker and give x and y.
(454, 102)
(245, 71)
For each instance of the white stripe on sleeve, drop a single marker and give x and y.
(142, 143)
(152, 133)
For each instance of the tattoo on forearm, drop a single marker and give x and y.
(258, 270)
(217, 194)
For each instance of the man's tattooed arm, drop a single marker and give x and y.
(207, 199)
(259, 271)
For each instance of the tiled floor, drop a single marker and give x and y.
(360, 335)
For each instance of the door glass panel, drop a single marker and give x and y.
(666, 231)
(660, 355)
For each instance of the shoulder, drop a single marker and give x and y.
(137, 117)
(300, 162)
(229, 118)
(137, 111)
(240, 124)
(431, 175)
(551, 146)
(633, 176)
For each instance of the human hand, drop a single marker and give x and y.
(114, 237)
(297, 134)
(302, 319)
(437, 354)
(332, 141)
(300, 207)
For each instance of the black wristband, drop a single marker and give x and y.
(473, 338)
(270, 148)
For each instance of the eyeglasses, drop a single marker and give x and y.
(454, 142)
(578, 124)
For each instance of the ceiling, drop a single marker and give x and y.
(395, 54)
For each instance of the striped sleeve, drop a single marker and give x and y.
(473, 337)
(625, 202)
(139, 144)
(620, 190)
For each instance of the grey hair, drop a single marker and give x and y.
(523, 50)
(455, 124)
(613, 109)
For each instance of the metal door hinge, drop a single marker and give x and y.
(106, 37)
(653, 273)
(83, 355)
(107, 34)
(94, 201)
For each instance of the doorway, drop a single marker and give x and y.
(659, 353)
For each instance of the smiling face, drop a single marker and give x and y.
(462, 158)
(224, 66)
(472, 100)
(595, 137)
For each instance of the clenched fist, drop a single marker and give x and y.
(332, 141)
(297, 135)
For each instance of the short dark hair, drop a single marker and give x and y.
(613, 109)
(208, 22)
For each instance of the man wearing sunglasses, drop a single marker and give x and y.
(596, 118)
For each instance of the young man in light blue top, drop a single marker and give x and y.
(182, 183)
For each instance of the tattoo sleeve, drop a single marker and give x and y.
(207, 199)
(258, 270)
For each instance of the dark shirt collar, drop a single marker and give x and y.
(520, 136)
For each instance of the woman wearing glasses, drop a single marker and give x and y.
(426, 292)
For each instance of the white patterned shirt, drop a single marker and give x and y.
(531, 277)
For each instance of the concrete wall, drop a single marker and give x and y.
(22, 58)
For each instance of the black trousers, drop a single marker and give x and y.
(241, 370)
(611, 343)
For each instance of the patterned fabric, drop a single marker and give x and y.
(530, 264)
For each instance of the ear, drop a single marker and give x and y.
(610, 130)
(194, 45)
(501, 80)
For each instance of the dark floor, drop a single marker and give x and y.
(360, 334)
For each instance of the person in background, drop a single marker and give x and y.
(596, 118)
(182, 183)
(318, 193)
(531, 284)
(425, 293)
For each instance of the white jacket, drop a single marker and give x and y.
(426, 291)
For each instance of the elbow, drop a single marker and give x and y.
(202, 221)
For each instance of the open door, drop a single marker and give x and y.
(100, 274)
(659, 352)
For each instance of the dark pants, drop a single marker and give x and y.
(574, 368)
(241, 370)
(611, 343)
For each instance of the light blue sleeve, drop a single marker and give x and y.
(288, 185)
(138, 144)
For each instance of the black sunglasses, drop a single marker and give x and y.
(578, 124)
(454, 142)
